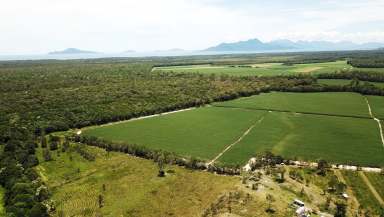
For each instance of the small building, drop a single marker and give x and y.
(298, 203)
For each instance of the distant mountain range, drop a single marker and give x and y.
(69, 51)
(286, 45)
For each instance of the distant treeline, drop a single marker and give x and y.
(354, 74)
(372, 62)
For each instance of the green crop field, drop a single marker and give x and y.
(345, 82)
(348, 104)
(377, 180)
(202, 132)
(266, 69)
(2, 210)
(361, 190)
(311, 137)
(377, 105)
(205, 132)
(132, 187)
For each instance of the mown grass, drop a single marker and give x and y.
(269, 69)
(2, 208)
(202, 132)
(343, 82)
(377, 180)
(132, 187)
(312, 137)
(349, 104)
(377, 105)
(363, 194)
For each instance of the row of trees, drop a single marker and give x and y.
(159, 156)
(24, 191)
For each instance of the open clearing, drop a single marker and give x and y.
(341, 132)
(265, 69)
(132, 187)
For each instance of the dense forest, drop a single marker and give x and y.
(61, 96)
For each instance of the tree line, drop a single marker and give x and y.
(354, 74)
(25, 193)
(372, 62)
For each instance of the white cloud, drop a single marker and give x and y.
(118, 25)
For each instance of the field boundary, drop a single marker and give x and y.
(297, 112)
(237, 141)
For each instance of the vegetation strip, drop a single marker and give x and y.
(287, 111)
(377, 120)
(237, 141)
(371, 188)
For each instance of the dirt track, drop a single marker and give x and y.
(371, 188)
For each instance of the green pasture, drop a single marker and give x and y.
(312, 137)
(347, 104)
(202, 132)
(263, 69)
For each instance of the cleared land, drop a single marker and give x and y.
(311, 137)
(202, 132)
(343, 104)
(266, 69)
(361, 190)
(132, 187)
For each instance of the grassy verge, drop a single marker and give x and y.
(2, 208)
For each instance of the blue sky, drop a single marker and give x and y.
(40, 26)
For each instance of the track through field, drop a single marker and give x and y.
(237, 141)
(377, 120)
